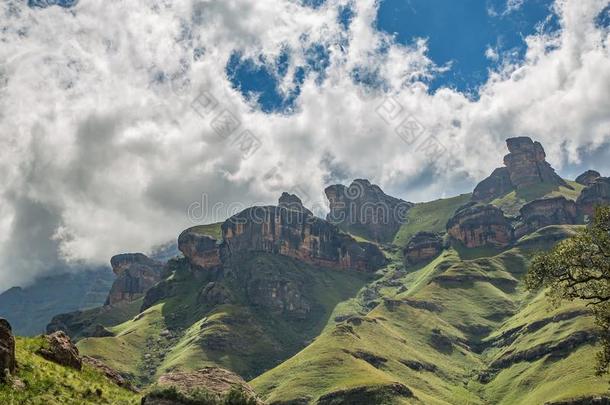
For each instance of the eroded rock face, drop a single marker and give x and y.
(525, 166)
(215, 380)
(596, 194)
(292, 202)
(201, 250)
(364, 209)
(279, 295)
(7, 350)
(423, 246)
(588, 177)
(549, 211)
(497, 184)
(477, 225)
(136, 273)
(299, 235)
(60, 349)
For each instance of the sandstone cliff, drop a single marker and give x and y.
(525, 166)
(549, 211)
(588, 177)
(423, 246)
(477, 225)
(364, 209)
(597, 193)
(136, 273)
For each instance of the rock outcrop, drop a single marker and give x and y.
(109, 372)
(299, 235)
(136, 273)
(364, 209)
(292, 202)
(477, 225)
(588, 177)
(596, 194)
(201, 250)
(497, 184)
(59, 349)
(423, 246)
(279, 295)
(525, 166)
(214, 380)
(7, 350)
(548, 211)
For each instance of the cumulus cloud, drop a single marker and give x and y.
(104, 150)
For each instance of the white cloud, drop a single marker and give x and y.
(100, 155)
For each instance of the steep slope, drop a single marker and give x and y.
(44, 382)
(264, 310)
(441, 340)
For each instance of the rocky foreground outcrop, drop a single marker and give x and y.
(364, 209)
(525, 166)
(59, 349)
(7, 350)
(544, 212)
(477, 225)
(423, 246)
(299, 235)
(136, 273)
(213, 380)
(588, 177)
(596, 194)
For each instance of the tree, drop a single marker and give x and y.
(579, 268)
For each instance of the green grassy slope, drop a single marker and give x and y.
(513, 201)
(46, 383)
(430, 216)
(182, 333)
(440, 338)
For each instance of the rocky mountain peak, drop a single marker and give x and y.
(524, 166)
(588, 177)
(292, 202)
(136, 273)
(364, 209)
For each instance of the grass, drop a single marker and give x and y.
(47, 383)
(430, 216)
(212, 230)
(243, 336)
(464, 304)
(512, 202)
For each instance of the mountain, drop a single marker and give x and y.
(30, 309)
(358, 309)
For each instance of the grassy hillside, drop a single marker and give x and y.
(181, 332)
(430, 216)
(47, 383)
(445, 339)
(513, 201)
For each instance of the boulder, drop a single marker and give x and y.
(109, 372)
(364, 209)
(588, 177)
(214, 380)
(423, 246)
(201, 250)
(299, 235)
(59, 349)
(596, 194)
(477, 225)
(7, 350)
(136, 273)
(544, 212)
